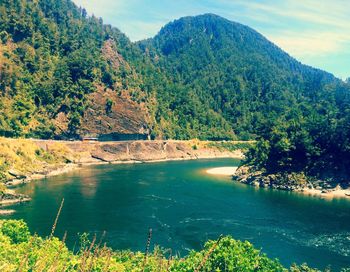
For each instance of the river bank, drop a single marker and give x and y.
(9, 197)
(222, 171)
(294, 182)
(25, 160)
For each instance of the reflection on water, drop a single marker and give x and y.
(89, 182)
(184, 206)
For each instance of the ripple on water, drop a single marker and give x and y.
(156, 198)
(191, 220)
(336, 242)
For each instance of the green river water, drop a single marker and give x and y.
(185, 207)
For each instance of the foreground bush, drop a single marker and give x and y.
(21, 252)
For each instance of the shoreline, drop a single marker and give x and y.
(8, 198)
(335, 193)
(294, 182)
(30, 159)
(66, 168)
(73, 166)
(222, 171)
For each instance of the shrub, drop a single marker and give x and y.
(228, 255)
(2, 187)
(232, 145)
(109, 105)
(51, 254)
(16, 230)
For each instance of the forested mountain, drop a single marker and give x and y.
(233, 71)
(300, 115)
(64, 74)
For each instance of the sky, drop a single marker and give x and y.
(316, 32)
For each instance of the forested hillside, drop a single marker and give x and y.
(53, 57)
(65, 74)
(300, 114)
(233, 71)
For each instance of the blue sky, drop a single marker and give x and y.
(316, 32)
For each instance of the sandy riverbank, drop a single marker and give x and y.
(222, 171)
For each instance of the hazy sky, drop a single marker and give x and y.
(316, 32)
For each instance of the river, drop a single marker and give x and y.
(185, 207)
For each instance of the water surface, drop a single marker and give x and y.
(185, 206)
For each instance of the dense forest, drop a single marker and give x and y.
(234, 71)
(52, 57)
(200, 77)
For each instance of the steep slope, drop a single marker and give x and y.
(233, 71)
(53, 59)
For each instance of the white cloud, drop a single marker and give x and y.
(101, 7)
(139, 30)
(302, 27)
(310, 43)
(308, 13)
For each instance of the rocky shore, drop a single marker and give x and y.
(9, 197)
(40, 174)
(296, 182)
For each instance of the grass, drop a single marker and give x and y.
(232, 145)
(23, 157)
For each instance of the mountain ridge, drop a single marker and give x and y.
(200, 77)
(234, 23)
(191, 50)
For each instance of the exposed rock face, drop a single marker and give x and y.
(110, 53)
(110, 111)
(61, 123)
(142, 151)
(125, 116)
(16, 174)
